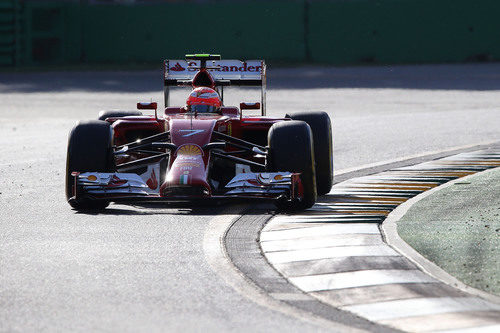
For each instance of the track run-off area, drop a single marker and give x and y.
(337, 252)
(166, 269)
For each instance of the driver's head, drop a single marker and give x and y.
(203, 100)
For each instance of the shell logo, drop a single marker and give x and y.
(190, 150)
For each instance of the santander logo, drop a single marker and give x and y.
(177, 68)
(230, 67)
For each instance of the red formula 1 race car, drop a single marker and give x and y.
(203, 150)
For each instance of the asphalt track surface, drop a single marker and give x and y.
(144, 269)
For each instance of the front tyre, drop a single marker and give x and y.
(291, 149)
(89, 150)
(321, 128)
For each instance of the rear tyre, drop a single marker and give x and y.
(321, 128)
(291, 149)
(117, 113)
(89, 149)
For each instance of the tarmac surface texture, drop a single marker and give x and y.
(136, 269)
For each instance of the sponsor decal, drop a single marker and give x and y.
(177, 68)
(254, 182)
(229, 129)
(152, 182)
(222, 68)
(188, 165)
(184, 179)
(92, 178)
(190, 132)
(115, 182)
(189, 150)
(204, 93)
(191, 65)
(243, 68)
(278, 177)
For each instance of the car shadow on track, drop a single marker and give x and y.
(204, 209)
(468, 76)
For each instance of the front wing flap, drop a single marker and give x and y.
(266, 184)
(99, 183)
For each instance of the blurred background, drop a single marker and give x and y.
(39, 33)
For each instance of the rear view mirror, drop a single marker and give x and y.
(147, 106)
(249, 106)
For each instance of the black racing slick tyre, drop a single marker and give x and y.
(117, 114)
(291, 149)
(89, 149)
(321, 128)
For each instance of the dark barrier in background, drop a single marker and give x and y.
(335, 32)
(404, 31)
(272, 29)
(10, 29)
(52, 32)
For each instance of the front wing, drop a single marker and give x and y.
(130, 187)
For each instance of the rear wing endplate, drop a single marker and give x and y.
(250, 73)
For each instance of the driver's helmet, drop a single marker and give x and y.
(203, 100)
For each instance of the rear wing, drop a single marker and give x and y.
(250, 73)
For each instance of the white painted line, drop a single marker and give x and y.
(295, 218)
(348, 264)
(389, 292)
(470, 321)
(290, 226)
(339, 218)
(477, 329)
(345, 207)
(354, 194)
(359, 279)
(330, 206)
(420, 307)
(320, 242)
(327, 229)
(291, 297)
(330, 252)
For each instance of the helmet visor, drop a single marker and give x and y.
(203, 108)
